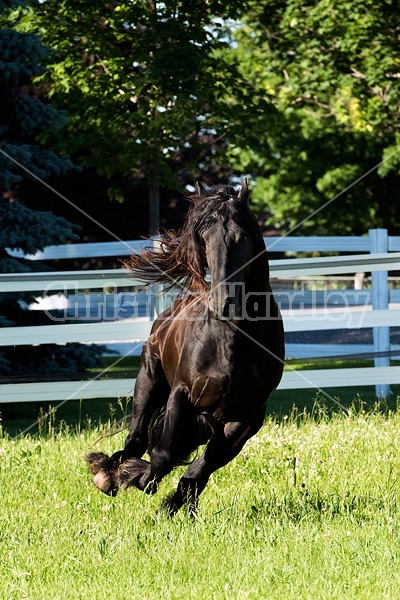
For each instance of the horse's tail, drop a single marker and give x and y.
(196, 432)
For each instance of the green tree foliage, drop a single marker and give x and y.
(302, 96)
(332, 70)
(23, 117)
(147, 85)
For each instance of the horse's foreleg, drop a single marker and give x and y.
(151, 392)
(165, 454)
(224, 446)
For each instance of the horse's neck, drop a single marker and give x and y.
(257, 280)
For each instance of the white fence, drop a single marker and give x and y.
(372, 308)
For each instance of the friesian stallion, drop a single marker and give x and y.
(212, 359)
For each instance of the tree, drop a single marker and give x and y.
(146, 84)
(331, 70)
(24, 117)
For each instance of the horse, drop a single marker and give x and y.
(212, 359)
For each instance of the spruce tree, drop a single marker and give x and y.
(24, 119)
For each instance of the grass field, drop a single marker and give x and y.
(310, 509)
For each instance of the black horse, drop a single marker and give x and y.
(212, 359)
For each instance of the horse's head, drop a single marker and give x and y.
(228, 239)
(220, 233)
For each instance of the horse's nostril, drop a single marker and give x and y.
(229, 309)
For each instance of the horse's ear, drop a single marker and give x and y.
(243, 194)
(199, 189)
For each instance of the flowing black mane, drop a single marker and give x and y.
(181, 256)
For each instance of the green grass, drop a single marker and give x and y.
(310, 509)
(126, 366)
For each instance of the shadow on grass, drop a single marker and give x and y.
(331, 400)
(79, 415)
(45, 418)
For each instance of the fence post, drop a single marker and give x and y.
(380, 300)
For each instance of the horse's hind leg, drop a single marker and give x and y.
(151, 392)
(224, 446)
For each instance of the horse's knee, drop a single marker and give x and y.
(135, 445)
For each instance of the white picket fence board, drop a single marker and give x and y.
(335, 265)
(67, 280)
(331, 378)
(112, 278)
(91, 304)
(328, 297)
(137, 330)
(58, 391)
(317, 244)
(84, 250)
(121, 331)
(326, 244)
(273, 244)
(125, 248)
(394, 243)
(325, 350)
(331, 319)
(328, 350)
(292, 298)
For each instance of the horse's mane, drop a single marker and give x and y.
(180, 258)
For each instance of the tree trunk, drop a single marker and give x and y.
(154, 207)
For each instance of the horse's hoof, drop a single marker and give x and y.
(99, 461)
(168, 507)
(104, 483)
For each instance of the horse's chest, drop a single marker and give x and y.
(209, 391)
(206, 369)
